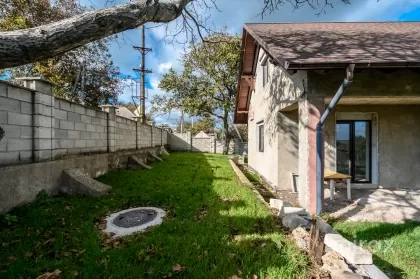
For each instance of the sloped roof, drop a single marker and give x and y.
(201, 135)
(335, 44)
(125, 112)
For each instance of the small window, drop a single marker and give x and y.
(265, 74)
(260, 137)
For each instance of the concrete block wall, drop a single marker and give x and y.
(157, 136)
(203, 144)
(180, 141)
(125, 136)
(185, 142)
(16, 119)
(78, 129)
(39, 127)
(144, 138)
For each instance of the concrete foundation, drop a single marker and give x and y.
(20, 184)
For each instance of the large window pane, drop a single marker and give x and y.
(362, 151)
(343, 148)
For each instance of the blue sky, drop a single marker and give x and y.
(233, 14)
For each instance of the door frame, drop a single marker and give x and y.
(373, 117)
(352, 154)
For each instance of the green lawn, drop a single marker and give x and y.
(216, 228)
(395, 247)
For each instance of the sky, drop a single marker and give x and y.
(233, 14)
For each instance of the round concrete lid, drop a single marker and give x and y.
(135, 218)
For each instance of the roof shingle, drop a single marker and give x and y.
(313, 45)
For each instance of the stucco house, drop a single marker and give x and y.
(363, 79)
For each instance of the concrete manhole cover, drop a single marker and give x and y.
(133, 220)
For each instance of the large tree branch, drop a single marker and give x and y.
(35, 44)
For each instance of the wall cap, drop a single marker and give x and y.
(37, 79)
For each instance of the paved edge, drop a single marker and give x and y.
(245, 181)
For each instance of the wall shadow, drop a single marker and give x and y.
(214, 228)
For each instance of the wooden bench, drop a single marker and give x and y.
(333, 177)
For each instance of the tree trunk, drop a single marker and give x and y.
(226, 133)
(30, 45)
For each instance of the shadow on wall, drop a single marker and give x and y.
(286, 90)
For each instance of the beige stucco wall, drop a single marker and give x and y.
(398, 140)
(280, 156)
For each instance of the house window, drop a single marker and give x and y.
(265, 74)
(260, 128)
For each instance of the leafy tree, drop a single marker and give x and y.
(207, 86)
(206, 124)
(85, 75)
(187, 127)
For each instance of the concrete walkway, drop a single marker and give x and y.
(376, 205)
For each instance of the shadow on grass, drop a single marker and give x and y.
(216, 228)
(393, 246)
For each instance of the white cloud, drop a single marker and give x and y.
(164, 66)
(234, 13)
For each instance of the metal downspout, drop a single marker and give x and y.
(319, 139)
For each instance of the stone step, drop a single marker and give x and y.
(77, 182)
(293, 221)
(279, 204)
(293, 210)
(351, 252)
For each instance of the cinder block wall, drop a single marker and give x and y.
(78, 129)
(185, 142)
(16, 119)
(126, 134)
(39, 127)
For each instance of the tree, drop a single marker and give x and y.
(205, 124)
(186, 127)
(207, 86)
(86, 75)
(58, 37)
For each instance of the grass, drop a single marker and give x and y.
(395, 247)
(216, 228)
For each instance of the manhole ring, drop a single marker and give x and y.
(133, 220)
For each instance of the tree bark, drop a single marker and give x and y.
(39, 43)
(226, 132)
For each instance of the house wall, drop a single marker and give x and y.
(398, 141)
(391, 96)
(280, 128)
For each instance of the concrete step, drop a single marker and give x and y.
(77, 182)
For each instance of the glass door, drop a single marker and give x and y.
(354, 149)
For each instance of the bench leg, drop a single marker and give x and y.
(332, 189)
(348, 190)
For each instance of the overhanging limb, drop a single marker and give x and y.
(320, 138)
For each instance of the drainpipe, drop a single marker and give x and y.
(319, 139)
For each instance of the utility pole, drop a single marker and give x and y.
(143, 72)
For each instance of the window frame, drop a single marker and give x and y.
(265, 74)
(260, 136)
